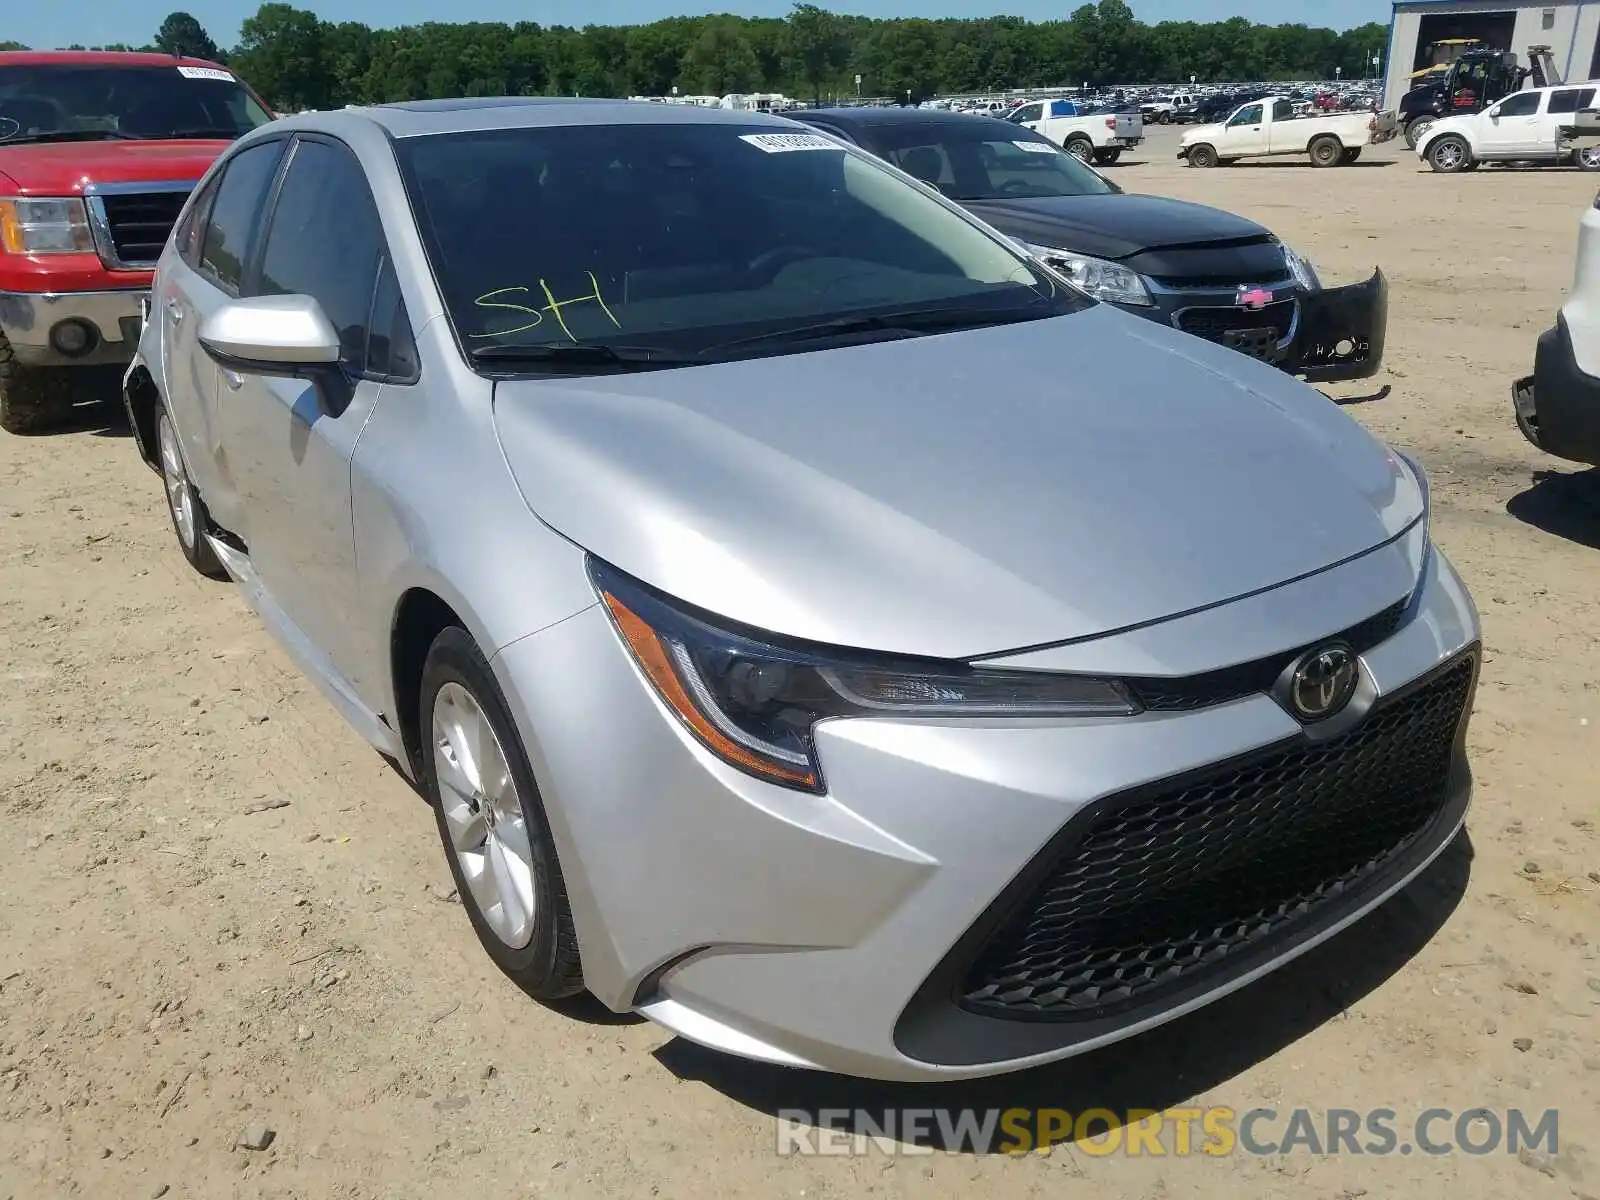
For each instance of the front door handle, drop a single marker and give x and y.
(234, 380)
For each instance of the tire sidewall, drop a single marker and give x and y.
(1080, 148)
(455, 658)
(1202, 156)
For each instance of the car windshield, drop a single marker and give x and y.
(699, 241)
(983, 163)
(69, 102)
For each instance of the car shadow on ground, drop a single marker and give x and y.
(1297, 164)
(1562, 503)
(1152, 1072)
(96, 406)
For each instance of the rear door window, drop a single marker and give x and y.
(235, 218)
(1571, 100)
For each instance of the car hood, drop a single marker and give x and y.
(66, 168)
(1203, 133)
(963, 494)
(1115, 226)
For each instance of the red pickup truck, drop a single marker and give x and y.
(98, 152)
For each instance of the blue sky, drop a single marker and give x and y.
(136, 20)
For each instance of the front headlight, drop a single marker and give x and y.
(1301, 270)
(54, 226)
(1103, 280)
(753, 701)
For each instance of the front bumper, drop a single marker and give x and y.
(1328, 336)
(820, 931)
(1558, 406)
(110, 319)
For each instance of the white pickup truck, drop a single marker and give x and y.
(1270, 126)
(1100, 138)
(1549, 125)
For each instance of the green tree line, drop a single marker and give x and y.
(297, 60)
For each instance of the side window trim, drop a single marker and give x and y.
(194, 222)
(244, 274)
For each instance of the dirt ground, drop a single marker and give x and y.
(175, 966)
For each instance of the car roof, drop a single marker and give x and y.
(98, 58)
(421, 118)
(867, 118)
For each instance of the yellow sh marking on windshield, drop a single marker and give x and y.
(554, 307)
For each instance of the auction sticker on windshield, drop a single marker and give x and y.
(1035, 147)
(205, 73)
(782, 143)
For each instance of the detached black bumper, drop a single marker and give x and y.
(1326, 336)
(1558, 406)
(1342, 332)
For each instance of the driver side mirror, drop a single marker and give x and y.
(284, 337)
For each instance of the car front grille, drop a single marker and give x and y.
(1253, 330)
(137, 224)
(1227, 684)
(1158, 889)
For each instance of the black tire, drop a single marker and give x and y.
(190, 530)
(1080, 148)
(1352, 155)
(1586, 158)
(1417, 129)
(1202, 155)
(31, 401)
(1449, 153)
(1107, 158)
(1164, 118)
(1326, 151)
(549, 966)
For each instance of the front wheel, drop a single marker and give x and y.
(1164, 118)
(492, 822)
(1081, 148)
(1327, 152)
(1107, 158)
(1449, 154)
(31, 400)
(1202, 156)
(1587, 158)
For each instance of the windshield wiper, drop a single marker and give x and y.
(583, 354)
(900, 324)
(68, 135)
(204, 132)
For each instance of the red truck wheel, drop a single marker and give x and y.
(29, 402)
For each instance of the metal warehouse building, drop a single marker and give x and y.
(1571, 28)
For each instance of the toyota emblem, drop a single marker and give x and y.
(1323, 682)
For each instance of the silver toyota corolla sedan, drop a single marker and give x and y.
(819, 627)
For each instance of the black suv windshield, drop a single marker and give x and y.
(71, 102)
(659, 242)
(978, 161)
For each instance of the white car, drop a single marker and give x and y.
(1558, 406)
(1270, 127)
(1527, 126)
(1100, 138)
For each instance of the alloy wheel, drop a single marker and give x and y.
(483, 810)
(180, 493)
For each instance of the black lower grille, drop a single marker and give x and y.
(1256, 677)
(1267, 326)
(139, 223)
(1157, 889)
